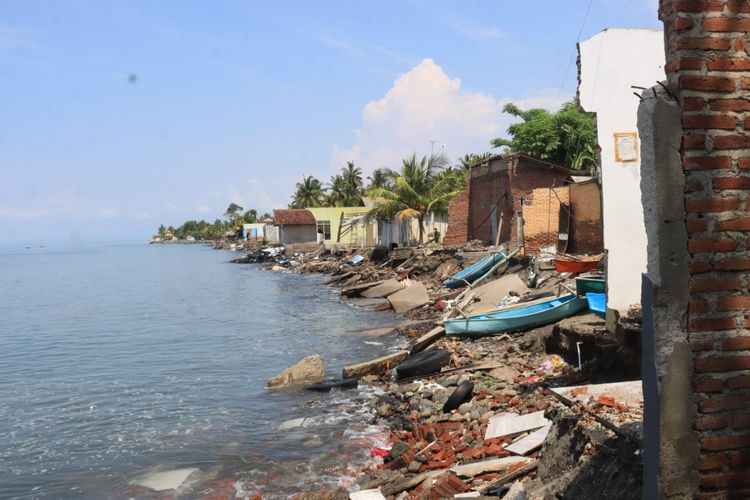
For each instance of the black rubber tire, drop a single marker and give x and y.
(338, 383)
(424, 363)
(462, 393)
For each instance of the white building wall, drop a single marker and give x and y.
(610, 63)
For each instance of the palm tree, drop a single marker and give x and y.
(380, 178)
(337, 192)
(468, 161)
(352, 184)
(420, 188)
(309, 193)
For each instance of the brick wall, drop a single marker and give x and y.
(541, 217)
(586, 230)
(708, 70)
(504, 182)
(458, 218)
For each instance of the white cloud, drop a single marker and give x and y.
(425, 104)
(203, 209)
(143, 216)
(22, 213)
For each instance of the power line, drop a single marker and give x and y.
(578, 39)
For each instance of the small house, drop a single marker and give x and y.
(295, 225)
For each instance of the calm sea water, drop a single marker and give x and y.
(120, 361)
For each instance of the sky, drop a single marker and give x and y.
(117, 116)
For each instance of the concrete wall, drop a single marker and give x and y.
(357, 237)
(297, 233)
(609, 64)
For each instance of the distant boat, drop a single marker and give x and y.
(565, 263)
(474, 271)
(517, 317)
(597, 303)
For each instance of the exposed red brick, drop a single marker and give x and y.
(712, 205)
(729, 64)
(734, 303)
(735, 6)
(744, 162)
(693, 141)
(724, 479)
(697, 6)
(741, 421)
(708, 385)
(739, 44)
(728, 104)
(707, 83)
(733, 264)
(711, 462)
(693, 103)
(681, 23)
(707, 162)
(715, 284)
(723, 403)
(711, 423)
(740, 382)
(726, 24)
(698, 246)
(731, 142)
(704, 43)
(694, 186)
(709, 121)
(735, 343)
(722, 364)
(739, 459)
(700, 266)
(697, 225)
(701, 345)
(697, 305)
(734, 225)
(732, 183)
(718, 443)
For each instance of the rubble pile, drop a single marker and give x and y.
(505, 417)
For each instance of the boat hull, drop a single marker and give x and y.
(590, 285)
(474, 272)
(514, 319)
(597, 304)
(575, 266)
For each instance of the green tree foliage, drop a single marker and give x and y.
(468, 161)
(420, 188)
(567, 137)
(309, 193)
(379, 179)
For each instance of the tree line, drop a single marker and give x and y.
(234, 217)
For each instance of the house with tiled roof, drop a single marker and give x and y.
(296, 225)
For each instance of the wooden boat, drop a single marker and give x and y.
(590, 283)
(474, 271)
(597, 303)
(517, 317)
(565, 263)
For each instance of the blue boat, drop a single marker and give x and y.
(597, 303)
(474, 271)
(517, 317)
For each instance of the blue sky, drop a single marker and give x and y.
(119, 116)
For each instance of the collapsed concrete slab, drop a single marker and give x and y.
(411, 297)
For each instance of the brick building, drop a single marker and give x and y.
(697, 325)
(528, 201)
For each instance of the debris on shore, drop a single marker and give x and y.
(519, 415)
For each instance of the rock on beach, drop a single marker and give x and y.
(308, 370)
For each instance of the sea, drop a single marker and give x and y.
(129, 370)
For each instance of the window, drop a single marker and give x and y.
(324, 226)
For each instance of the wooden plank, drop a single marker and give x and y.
(427, 339)
(376, 366)
(509, 477)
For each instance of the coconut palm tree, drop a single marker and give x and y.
(420, 188)
(352, 184)
(337, 192)
(379, 179)
(309, 193)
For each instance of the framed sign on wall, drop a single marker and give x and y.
(626, 146)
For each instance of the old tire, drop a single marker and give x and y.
(424, 363)
(339, 383)
(461, 394)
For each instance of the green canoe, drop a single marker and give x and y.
(590, 284)
(519, 318)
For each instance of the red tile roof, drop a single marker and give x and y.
(293, 216)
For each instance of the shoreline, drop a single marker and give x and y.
(510, 374)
